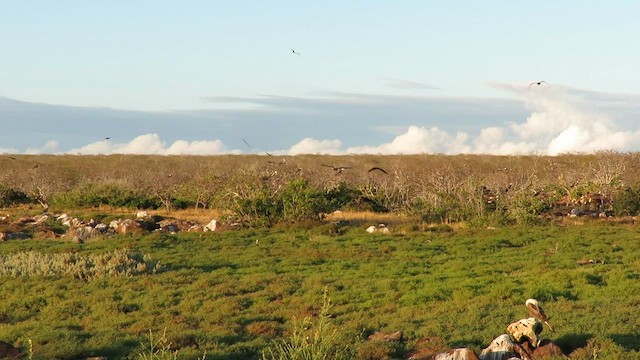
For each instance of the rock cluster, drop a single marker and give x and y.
(522, 341)
(77, 230)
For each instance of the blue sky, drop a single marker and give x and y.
(373, 76)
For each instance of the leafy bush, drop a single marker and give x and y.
(626, 202)
(96, 194)
(10, 196)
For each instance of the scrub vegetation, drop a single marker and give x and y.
(470, 239)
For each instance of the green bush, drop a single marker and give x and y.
(10, 196)
(626, 202)
(96, 194)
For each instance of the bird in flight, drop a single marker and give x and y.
(537, 83)
(536, 311)
(294, 52)
(378, 169)
(107, 138)
(338, 169)
(245, 141)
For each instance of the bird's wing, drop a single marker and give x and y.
(379, 169)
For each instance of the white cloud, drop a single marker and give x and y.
(312, 146)
(152, 144)
(9, 151)
(49, 147)
(562, 120)
(557, 120)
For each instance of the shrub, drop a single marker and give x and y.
(10, 197)
(113, 263)
(626, 202)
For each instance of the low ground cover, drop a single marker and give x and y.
(230, 295)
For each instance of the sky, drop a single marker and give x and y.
(379, 77)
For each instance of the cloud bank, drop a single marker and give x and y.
(555, 120)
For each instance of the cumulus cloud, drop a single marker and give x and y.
(9, 151)
(151, 144)
(49, 147)
(312, 146)
(562, 120)
(542, 119)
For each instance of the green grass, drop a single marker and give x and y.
(227, 296)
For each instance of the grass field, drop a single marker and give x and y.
(229, 295)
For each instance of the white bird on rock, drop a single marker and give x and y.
(536, 311)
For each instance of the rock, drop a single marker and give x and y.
(427, 348)
(101, 228)
(8, 351)
(547, 349)
(585, 261)
(211, 226)
(380, 336)
(501, 348)
(422, 354)
(84, 232)
(4, 236)
(127, 226)
(381, 228)
(142, 214)
(195, 228)
(456, 354)
(526, 329)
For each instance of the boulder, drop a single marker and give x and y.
(7, 351)
(456, 354)
(547, 349)
(381, 228)
(211, 226)
(501, 348)
(526, 329)
(127, 226)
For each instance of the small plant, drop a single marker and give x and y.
(157, 349)
(310, 339)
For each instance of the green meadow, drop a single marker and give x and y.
(235, 294)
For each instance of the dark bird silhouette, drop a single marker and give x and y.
(107, 138)
(295, 52)
(537, 83)
(536, 311)
(245, 141)
(338, 169)
(375, 168)
(12, 158)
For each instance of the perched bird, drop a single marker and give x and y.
(12, 157)
(295, 52)
(536, 311)
(537, 83)
(378, 169)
